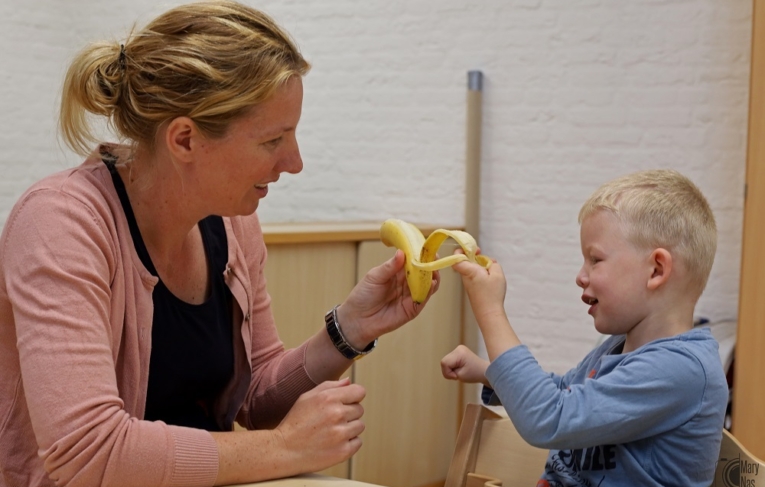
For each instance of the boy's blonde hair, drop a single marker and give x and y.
(662, 208)
(210, 61)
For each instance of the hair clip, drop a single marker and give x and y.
(122, 57)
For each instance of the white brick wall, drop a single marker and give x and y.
(576, 92)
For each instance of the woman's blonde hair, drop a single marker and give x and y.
(662, 208)
(209, 61)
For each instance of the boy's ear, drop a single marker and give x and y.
(180, 138)
(661, 264)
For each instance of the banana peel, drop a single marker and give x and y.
(421, 253)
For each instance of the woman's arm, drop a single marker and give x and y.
(380, 303)
(322, 429)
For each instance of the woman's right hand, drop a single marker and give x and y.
(323, 427)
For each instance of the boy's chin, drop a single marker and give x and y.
(606, 328)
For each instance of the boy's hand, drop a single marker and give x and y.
(486, 288)
(463, 365)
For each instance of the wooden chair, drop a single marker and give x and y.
(736, 466)
(491, 453)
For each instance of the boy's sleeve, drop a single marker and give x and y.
(646, 394)
(490, 398)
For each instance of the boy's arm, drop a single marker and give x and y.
(649, 393)
(645, 395)
(465, 366)
(486, 291)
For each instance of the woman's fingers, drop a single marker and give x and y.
(348, 393)
(387, 270)
(354, 429)
(353, 412)
(323, 426)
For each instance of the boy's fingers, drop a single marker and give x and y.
(448, 372)
(451, 363)
(464, 268)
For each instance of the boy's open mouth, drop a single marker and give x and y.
(592, 302)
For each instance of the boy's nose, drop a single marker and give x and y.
(581, 278)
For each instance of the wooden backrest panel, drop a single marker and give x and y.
(736, 466)
(489, 451)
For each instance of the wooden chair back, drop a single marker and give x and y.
(736, 466)
(491, 453)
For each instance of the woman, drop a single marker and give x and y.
(135, 326)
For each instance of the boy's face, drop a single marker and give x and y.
(614, 275)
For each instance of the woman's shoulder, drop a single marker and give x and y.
(85, 189)
(88, 180)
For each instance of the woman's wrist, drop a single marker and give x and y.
(252, 456)
(353, 332)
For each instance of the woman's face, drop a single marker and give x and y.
(237, 168)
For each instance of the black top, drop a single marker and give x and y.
(192, 350)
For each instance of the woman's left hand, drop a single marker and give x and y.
(380, 303)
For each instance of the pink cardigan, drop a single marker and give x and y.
(75, 340)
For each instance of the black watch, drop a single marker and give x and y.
(339, 341)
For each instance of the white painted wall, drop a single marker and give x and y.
(576, 92)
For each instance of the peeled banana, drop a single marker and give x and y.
(421, 253)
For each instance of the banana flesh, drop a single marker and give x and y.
(421, 253)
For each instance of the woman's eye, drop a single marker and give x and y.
(274, 142)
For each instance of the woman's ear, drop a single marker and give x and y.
(180, 136)
(661, 268)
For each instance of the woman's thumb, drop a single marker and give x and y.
(385, 271)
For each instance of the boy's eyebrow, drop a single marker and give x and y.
(592, 247)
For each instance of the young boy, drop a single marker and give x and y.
(646, 407)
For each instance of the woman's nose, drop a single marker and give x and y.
(292, 162)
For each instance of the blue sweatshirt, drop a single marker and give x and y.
(651, 417)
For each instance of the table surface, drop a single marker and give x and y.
(309, 480)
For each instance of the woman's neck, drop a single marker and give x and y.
(161, 204)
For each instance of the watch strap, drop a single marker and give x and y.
(339, 341)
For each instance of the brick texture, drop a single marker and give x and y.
(576, 92)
